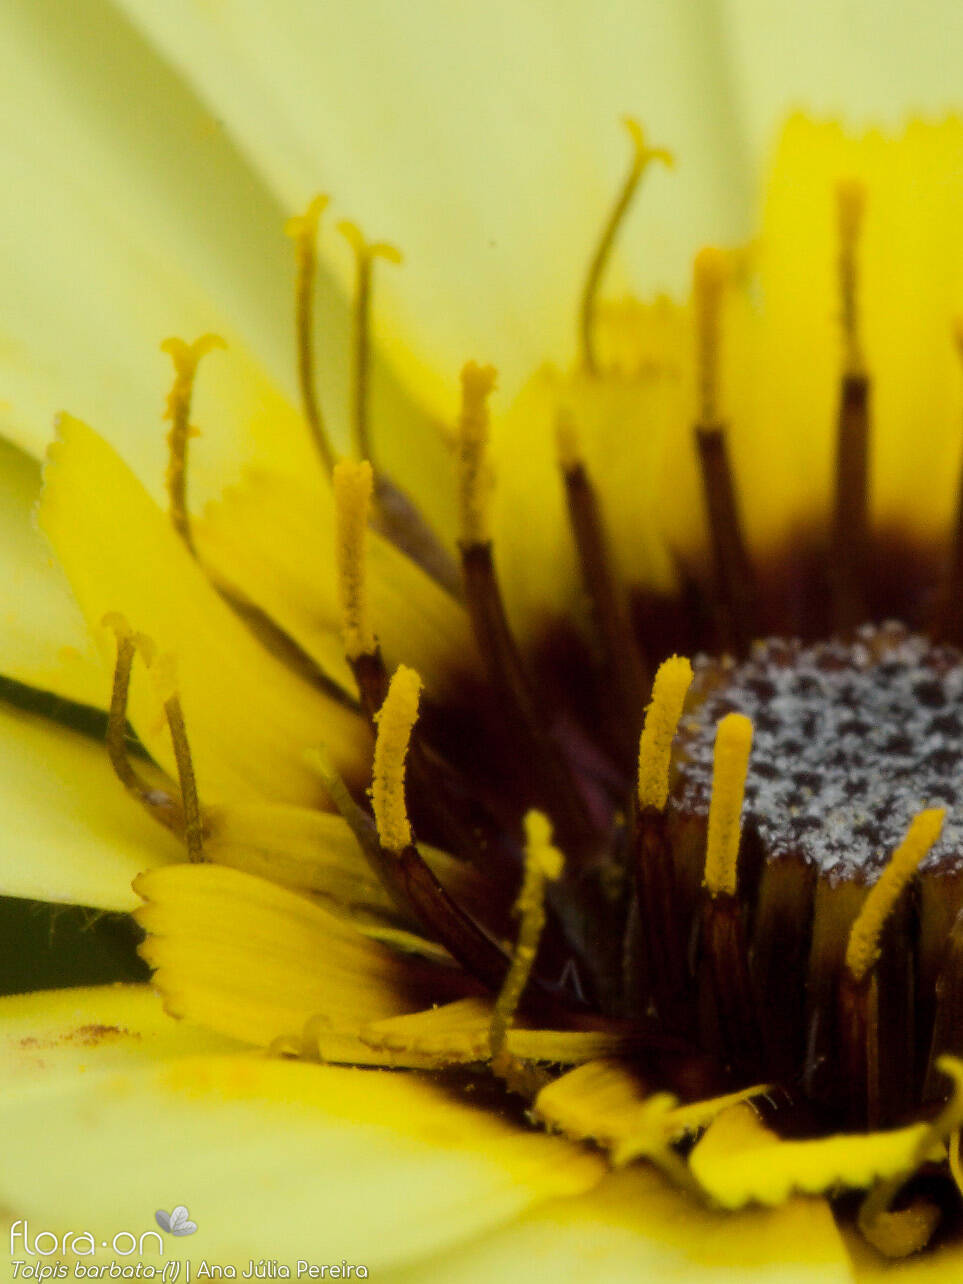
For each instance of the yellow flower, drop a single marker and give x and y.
(633, 1040)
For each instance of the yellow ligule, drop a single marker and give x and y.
(602, 1100)
(672, 681)
(303, 230)
(599, 1101)
(730, 764)
(186, 357)
(739, 1162)
(862, 950)
(692, 1117)
(396, 718)
(365, 252)
(642, 158)
(353, 483)
(474, 474)
(543, 863)
(460, 1032)
(709, 277)
(850, 206)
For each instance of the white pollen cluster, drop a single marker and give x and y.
(852, 739)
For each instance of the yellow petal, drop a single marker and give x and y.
(634, 1226)
(43, 639)
(629, 430)
(128, 214)
(313, 851)
(249, 719)
(497, 214)
(272, 541)
(600, 1101)
(317, 852)
(605, 1101)
(60, 1034)
(739, 1162)
(259, 962)
(459, 1032)
(70, 834)
(910, 289)
(276, 1159)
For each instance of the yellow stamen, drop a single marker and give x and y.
(862, 951)
(850, 205)
(543, 863)
(642, 157)
(365, 253)
(474, 472)
(672, 681)
(186, 357)
(710, 275)
(353, 483)
(900, 1234)
(396, 718)
(730, 764)
(303, 229)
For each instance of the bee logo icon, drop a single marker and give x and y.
(177, 1222)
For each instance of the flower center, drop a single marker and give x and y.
(852, 739)
(743, 913)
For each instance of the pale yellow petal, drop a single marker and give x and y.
(71, 834)
(298, 847)
(259, 962)
(276, 1159)
(438, 127)
(271, 540)
(633, 1226)
(128, 215)
(43, 639)
(60, 1034)
(249, 718)
(862, 60)
(628, 430)
(316, 851)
